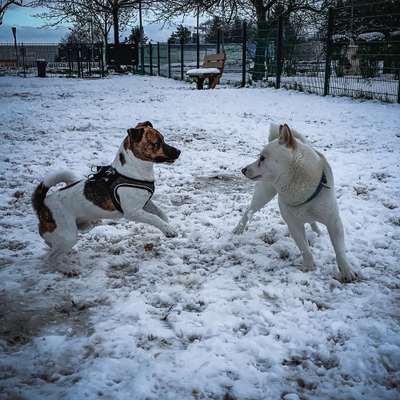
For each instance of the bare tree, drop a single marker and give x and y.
(114, 8)
(79, 13)
(106, 13)
(262, 11)
(5, 4)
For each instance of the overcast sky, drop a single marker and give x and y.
(29, 28)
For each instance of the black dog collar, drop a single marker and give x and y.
(323, 183)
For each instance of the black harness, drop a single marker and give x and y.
(323, 183)
(109, 176)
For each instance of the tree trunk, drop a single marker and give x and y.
(116, 25)
(261, 40)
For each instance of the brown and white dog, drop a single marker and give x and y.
(80, 202)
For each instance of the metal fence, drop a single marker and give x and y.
(174, 60)
(347, 56)
(355, 52)
(81, 60)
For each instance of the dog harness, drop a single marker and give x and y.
(323, 183)
(113, 180)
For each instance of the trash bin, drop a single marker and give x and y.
(41, 68)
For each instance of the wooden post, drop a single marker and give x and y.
(219, 40)
(328, 52)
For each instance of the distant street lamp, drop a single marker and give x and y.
(14, 32)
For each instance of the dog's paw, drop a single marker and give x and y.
(307, 267)
(348, 276)
(239, 229)
(170, 232)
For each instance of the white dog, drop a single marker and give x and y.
(123, 189)
(303, 180)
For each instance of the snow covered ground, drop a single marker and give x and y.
(206, 315)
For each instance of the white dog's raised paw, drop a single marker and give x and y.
(170, 232)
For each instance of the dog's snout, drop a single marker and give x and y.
(244, 170)
(178, 153)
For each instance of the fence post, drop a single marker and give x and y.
(69, 61)
(169, 59)
(197, 49)
(158, 58)
(90, 60)
(151, 58)
(244, 50)
(398, 89)
(142, 58)
(101, 60)
(328, 51)
(279, 52)
(23, 58)
(182, 61)
(219, 40)
(80, 73)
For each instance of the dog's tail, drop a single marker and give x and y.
(41, 190)
(274, 133)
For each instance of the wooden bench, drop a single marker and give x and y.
(212, 69)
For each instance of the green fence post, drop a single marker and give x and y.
(328, 52)
(182, 61)
(279, 53)
(158, 58)
(244, 50)
(151, 58)
(169, 59)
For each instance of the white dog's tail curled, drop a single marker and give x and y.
(59, 176)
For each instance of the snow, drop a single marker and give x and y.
(207, 314)
(371, 36)
(202, 71)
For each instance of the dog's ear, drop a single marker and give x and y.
(145, 123)
(136, 134)
(286, 137)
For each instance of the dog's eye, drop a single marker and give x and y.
(262, 158)
(157, 145)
